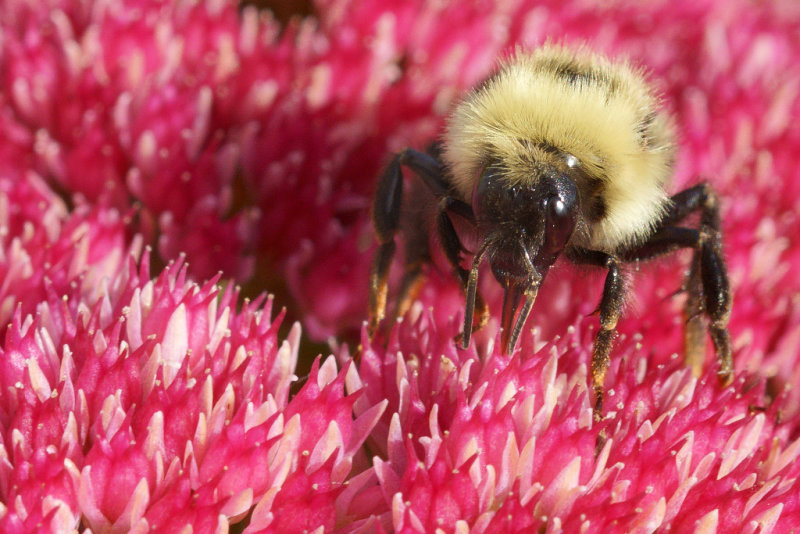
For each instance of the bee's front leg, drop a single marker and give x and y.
(610, 309)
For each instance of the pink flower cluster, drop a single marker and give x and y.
(147, 146)
(132, 404)
(509, 444)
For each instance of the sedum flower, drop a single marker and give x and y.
(508, 444)
(161, 406)
(132, 403)
(228, 141)
(46, 251)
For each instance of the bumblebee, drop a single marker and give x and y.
(560, 152)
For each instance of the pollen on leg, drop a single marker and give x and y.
(379, 285)
(695, 324)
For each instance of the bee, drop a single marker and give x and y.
(560, 152)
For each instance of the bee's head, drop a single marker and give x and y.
(524, 224)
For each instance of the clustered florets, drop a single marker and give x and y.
(138, 398)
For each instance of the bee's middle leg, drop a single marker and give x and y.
(386, 209)
(707, 285)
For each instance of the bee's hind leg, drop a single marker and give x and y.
(716, 291)
(707, 285)
(386, 219)
(713, 279)
(417, 248)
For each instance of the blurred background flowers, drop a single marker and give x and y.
(164, 165)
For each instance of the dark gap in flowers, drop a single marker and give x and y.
(283, 11)
(62, 192)
(267, 278)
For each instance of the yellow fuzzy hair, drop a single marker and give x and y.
(553, 101)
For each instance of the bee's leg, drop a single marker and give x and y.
(715, 284)
(416, 240)
(708, 288)
(707, 284)
(610, 309)
(410, 286)
(694, 330)
(386, 214)
(699, 197)
(667, 240)
(386, 221)
(716, 290)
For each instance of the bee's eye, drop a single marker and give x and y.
(557, 206)
(561, 219)
(559, 210)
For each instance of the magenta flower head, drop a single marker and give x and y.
(508, 444)
(161, 162)
(132, 404)
(161, 406)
